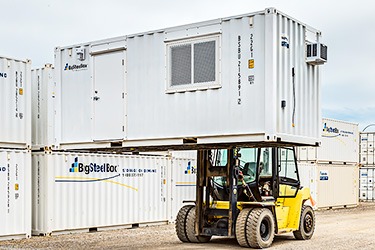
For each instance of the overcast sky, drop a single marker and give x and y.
(32, 28)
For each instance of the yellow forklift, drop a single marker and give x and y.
(247, 193)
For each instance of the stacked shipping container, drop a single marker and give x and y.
(15, 143)
(366, 159)
(331, 170)
(152, 90)
(175, 77)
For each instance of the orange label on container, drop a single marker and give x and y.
(251, 63)
(21, 91)
(16, 186)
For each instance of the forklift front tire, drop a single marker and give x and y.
(190, 229)
(181, 222)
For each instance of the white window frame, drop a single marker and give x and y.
(194, 86)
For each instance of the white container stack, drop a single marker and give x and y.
(331, 170)
(15, 145)
(164, 90)
(168, 88)
(367, 171)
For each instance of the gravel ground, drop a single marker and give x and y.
(335, 229)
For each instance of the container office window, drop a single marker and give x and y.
(193, 64)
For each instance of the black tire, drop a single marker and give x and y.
(241, 229)
(190, 228)
(181, 222)
(260, 228)
(306, 224)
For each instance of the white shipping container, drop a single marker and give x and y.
(367, 150)
(43, 94)
(77, 191)
(15, 194)
(248, 78)
(15, 103)
(183, 182)
(339, 144)
(367, 178)
(330, 185)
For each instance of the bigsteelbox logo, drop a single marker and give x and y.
(75, 67)
(3, 74)
(190, 169)
(330, 129)
(92, 167)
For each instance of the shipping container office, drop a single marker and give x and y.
(249, 78)
(15, 194)
(15, 103)
(339, 144)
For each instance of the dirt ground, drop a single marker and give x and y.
(351, 228)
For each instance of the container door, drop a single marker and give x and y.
(108, 97)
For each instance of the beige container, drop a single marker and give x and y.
(331, 185)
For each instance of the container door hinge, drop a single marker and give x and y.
(123, 61)
(123, 95)
(123, 128)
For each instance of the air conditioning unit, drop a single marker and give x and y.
(316, 53)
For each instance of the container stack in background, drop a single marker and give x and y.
(331, 170)
(15, 144)
(367, 170)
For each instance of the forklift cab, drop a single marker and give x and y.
(264, 174)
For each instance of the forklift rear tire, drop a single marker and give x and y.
(255, 228)
(306, 224)
(181, 222)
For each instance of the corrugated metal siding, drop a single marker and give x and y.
(339, 144)
(43, 94)
(15, 194)
(15, 103)
(183, 184)
(136, 193)
(331, 185)
(308, 177)
(184, 154)
(366, 188)
(302, 94)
